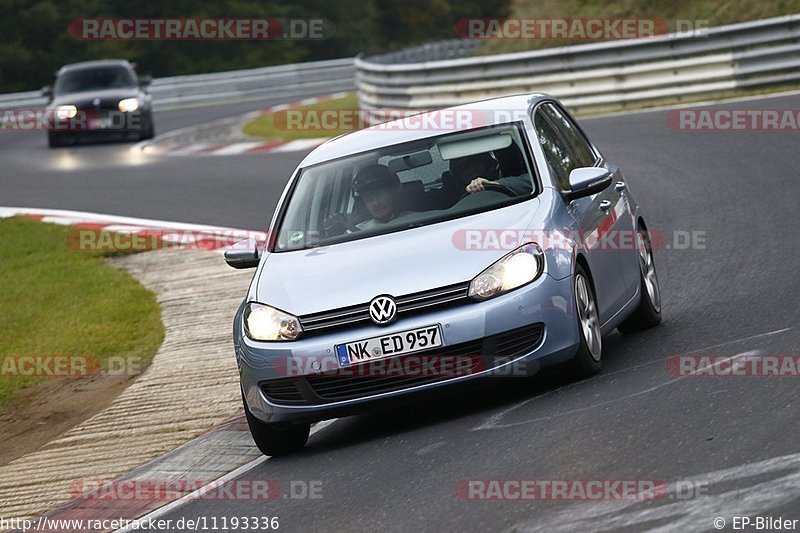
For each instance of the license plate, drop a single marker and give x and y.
(100, 123)
(404, 342)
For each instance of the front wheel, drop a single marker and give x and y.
(648, 312)
(587, 361)
(148, 133)
(54, 140)
(276, 439)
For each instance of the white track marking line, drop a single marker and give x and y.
(191, 149)
(100, 218)
(300, 144)
(171, 506)
(235, 148)
(492, 421)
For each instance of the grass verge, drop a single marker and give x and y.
(59, 301)
(282, 126)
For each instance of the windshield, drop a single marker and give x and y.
(92, 79)
(407, 185)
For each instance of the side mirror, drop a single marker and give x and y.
(586, 181)
(47, 91)
(243, 254)
(145, 81)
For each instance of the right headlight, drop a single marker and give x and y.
(129, 105)
(265, 323)
(514, 270)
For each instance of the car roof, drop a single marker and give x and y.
(492, 111)
(95, 64)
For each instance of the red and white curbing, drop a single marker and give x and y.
(178, 234)
(238, 147)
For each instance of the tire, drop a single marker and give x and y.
(149, 133)
(648, 313)
(588, 360)
(276, 439)
(54, 140)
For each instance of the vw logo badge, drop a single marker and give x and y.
(96, 102)
(382, 309)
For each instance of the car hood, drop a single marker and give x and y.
(404, 262)
(85, 99)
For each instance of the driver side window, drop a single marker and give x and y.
(559, 157)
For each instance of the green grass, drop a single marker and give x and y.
(267, 127)
(59, 301)
(716, 12)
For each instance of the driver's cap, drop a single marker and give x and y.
(373, 177)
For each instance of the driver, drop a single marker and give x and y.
(379, 188)
(474, 171)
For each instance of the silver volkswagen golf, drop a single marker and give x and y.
(490, 239)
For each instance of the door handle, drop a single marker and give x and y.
(619, 186)
(605, 205)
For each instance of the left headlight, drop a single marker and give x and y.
(514, 270)
(265, 323)
(128, 105)
(64, 112)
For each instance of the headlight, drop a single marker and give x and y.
(265, 323)
(65, 112)
(521, 266)
(129, 105)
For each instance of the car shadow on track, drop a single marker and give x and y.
(467, 400)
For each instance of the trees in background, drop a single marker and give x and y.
(34, 41)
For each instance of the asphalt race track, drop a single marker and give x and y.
(398, 470)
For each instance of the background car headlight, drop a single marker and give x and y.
(265, 323)
(521, 266)
(65, 112)
(128, 105)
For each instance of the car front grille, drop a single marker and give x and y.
(481, 354)
(410, 303)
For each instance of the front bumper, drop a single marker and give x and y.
(510, 335)
(106, 122)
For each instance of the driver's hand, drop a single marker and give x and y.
(476, 185)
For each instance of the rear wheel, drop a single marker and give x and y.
(587, 361)
(648, 312)
(276, 439)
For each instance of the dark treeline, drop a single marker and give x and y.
(34, 40)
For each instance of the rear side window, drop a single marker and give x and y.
(583, 152)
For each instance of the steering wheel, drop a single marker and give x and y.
(492, 186)
(337, 225)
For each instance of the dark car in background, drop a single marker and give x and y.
(103, 98)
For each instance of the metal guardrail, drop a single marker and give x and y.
(300, 79)
(597, 76)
